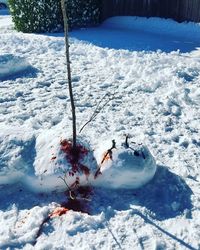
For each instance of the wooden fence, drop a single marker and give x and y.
(179, 10)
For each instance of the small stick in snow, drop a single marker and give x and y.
(109, 152)
(107, 155)
(126, 145)
(71, 193)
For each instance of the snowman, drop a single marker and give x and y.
(129, 165)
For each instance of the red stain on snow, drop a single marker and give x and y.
(74, 157)
(58, 212)
(81, 202)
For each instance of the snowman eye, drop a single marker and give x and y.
(136, 153)
(139, 153)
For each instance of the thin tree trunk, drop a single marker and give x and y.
(64, 7)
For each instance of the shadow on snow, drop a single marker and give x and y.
(13, 67)
(29, 72)
(166, 196)
(22, 198)
(4, 12)
(137, 40)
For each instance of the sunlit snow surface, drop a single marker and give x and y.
(152, 68)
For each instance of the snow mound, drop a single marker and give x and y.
(51, 162)
(10, 65)
(155, 25)
(38, 161)
(16, 153)
(129, 167)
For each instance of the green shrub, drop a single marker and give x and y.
(83, 12)
(46, 16)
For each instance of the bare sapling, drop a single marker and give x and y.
(65, 20)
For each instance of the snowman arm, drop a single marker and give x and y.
(109, 152)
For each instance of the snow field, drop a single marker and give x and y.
(156, 102)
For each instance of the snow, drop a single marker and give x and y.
(130, 167)
(11, 65)
(155, 81)
(147, 34)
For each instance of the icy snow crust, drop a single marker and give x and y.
(156, 102)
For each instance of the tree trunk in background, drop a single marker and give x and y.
(64, 7)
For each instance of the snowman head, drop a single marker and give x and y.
(129, 165)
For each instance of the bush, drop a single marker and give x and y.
(83, 13)
(46, 16)
(36, 15)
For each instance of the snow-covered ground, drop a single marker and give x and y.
(152, 66)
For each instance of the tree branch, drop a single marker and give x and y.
(71, 193)
(98, 109)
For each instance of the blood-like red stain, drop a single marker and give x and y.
(58, 212)
(76, 183)
(85, 170)
(74, 156)
(81, 203)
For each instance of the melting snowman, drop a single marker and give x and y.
(128, 165)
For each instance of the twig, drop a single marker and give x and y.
(98, 109)
(126, 141)
(63, 178)
(72, 195)
(70, 190)
(109, 152)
